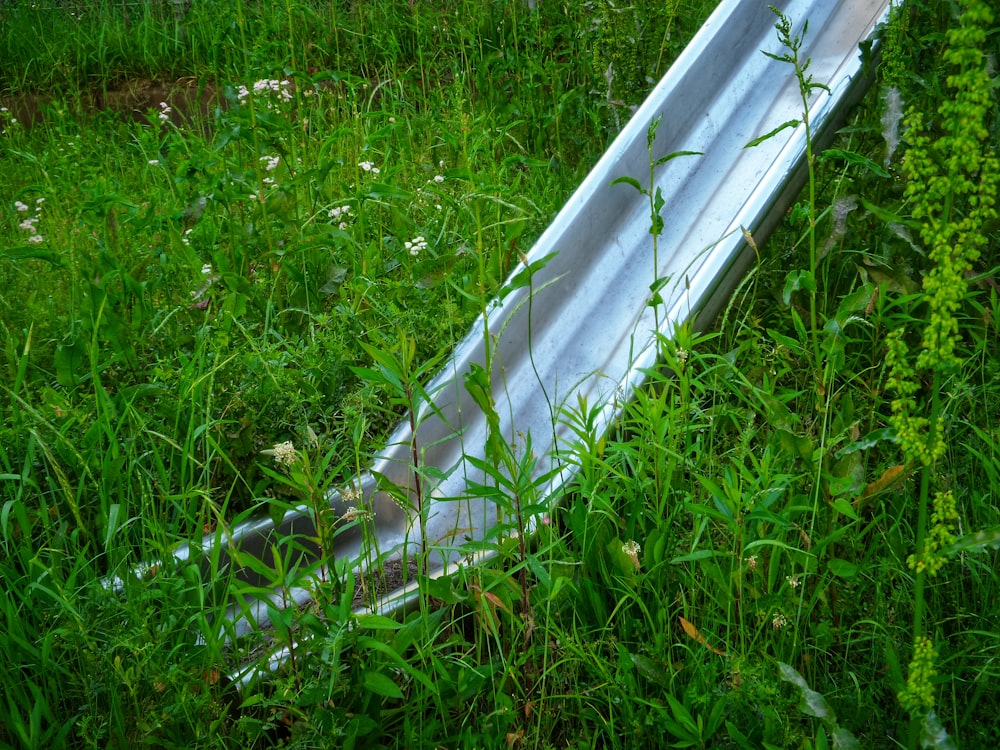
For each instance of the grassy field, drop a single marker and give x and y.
(214, 221)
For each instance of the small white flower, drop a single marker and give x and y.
(207, 269)
(21, 207)
(368, 166)
(415, 246)
(779, 621)
(165, 111)
(36, 239)
(154, 162)
(793, 581)
(28, 225)
(351, 494)
(352, 514)
(270, 162)
(439, 178)
(284, 453)
(632, 548)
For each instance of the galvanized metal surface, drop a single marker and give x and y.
(591, 330)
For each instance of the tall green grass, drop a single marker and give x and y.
(731, 567)
(202, 295)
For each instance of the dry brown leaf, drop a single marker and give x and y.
(888, 478)
(694, 633)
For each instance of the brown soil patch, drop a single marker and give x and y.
(189, 101)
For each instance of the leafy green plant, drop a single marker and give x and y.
(753, 505)
(952, 184)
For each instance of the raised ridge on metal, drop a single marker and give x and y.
(592, 331)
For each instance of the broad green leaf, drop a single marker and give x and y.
(767, 136)
(675, 154)
(114, 512)
(523, 277)
(975, 542)
(888, 217)
(795, 281)
(379, 684)
(842, 506)
(702, 554)
(813, 703)
(378, 622)
(650, 669)
(795, 445)
(843, 568)
(870, 440)
(382, 191)
(793, 345)
(628, 181)
(857, 159)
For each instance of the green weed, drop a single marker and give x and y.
(225, 320)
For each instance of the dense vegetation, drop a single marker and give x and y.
(788, 541)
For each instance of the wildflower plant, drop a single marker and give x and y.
(952, 186)
(309, 475)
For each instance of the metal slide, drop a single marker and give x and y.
(591, 328)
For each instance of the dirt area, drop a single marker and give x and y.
(377, 584)
(187, 99)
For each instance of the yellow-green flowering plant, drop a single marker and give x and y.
(952, 181)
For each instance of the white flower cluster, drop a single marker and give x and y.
(368, 166)
(415, 246)
(270, 162)
(632, 548)
(164, 113)
(266, 86)
(6, 116)
(284, 453)
(340, 214)
(30, 223)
